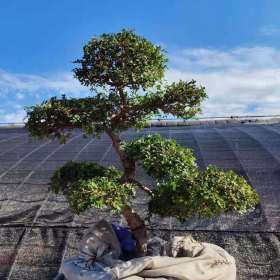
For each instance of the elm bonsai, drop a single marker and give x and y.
(125, 72)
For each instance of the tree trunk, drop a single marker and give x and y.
(128, 164)
(134, 221)
(137, 227)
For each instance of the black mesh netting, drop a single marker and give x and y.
(37, 229)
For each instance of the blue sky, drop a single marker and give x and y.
(230, 46)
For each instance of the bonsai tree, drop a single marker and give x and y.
(125, 72)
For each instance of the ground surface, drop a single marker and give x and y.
(37, 229)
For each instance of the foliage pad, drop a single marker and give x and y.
(99, 192)
(161, 158)
(89, 184)
(183, 191)
(120, 60)
(73, 171)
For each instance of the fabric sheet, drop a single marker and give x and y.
(188, 260)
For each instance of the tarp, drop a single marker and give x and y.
(38, 230)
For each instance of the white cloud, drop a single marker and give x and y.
(61, 82)
(234, 59)
(18, 90)
(269, 30)
(16, 117)
(241, 81)
(20, 96)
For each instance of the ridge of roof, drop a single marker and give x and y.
(215, 121)
(198, 121)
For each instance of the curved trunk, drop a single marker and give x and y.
(134, 221)
(137, 227)
(128, 164)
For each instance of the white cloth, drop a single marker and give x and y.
(187, 260)
(76, 268)
(211, 263)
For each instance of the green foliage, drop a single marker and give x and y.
(125, 70)
(99, 192)
(181, 99)
(183, 191)
(88, 184)
(55, 116)
(224, 191)
(210, 194)
(73, 171)
(120, 60)
(162, 158)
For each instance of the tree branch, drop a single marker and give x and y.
(143, 187)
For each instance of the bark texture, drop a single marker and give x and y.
(134, 221)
